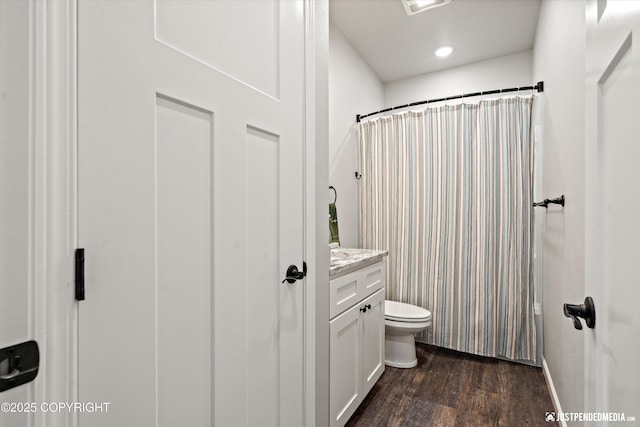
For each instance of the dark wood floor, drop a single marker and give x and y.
(448, 388)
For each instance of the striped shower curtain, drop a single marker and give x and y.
(448, 192)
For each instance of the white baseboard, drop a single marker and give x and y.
(552, 390)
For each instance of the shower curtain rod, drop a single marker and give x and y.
(538, 86)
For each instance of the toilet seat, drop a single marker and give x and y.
(406, 313)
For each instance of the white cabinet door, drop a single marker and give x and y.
(356, 355)
(372, 340)
(345, 367)
(190, 210)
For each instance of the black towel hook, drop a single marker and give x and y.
(335, 193)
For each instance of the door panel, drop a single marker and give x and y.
(372, 341)
(183, 165)
(613, 203)
(190, 211)
(262, 301)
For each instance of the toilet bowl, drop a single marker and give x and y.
(401, 322)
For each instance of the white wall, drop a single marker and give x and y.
(353, 88)
(497, 73)
(559, 54)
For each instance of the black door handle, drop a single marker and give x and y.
(587, 311)
(294, 274)
(18, 364)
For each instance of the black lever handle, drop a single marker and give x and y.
(587, 311)
(294, 274)
(20, 364)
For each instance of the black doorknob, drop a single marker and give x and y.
(587, 311)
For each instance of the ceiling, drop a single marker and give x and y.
(396, 45)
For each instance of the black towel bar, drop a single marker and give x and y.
(547, 202)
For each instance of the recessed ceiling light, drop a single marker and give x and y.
(416, 6)
(443, 51)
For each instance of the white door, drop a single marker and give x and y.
(190, 211)
(16, 202)
(613, 206)
(372, 341)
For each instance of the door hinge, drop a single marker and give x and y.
(80, 274)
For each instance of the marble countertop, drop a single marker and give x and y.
(346, 260)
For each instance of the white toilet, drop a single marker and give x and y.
(401, 322)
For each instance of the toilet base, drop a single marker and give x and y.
(400, 350)
(401, 365)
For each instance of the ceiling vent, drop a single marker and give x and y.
(416, 6)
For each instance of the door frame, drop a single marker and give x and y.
(316, 153)
(592, 369)
(54, 57)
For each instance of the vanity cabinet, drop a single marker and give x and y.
(356, 341)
